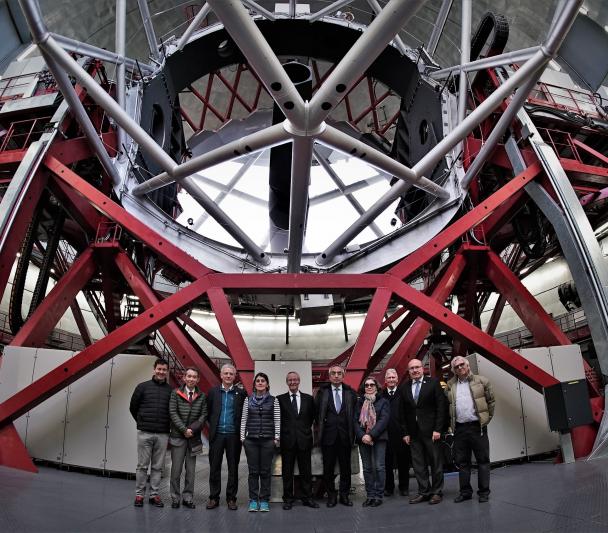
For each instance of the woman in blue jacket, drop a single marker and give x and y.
(371, 420)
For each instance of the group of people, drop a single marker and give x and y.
(390, 426)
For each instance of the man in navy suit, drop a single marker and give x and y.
(297, 418)
(422, 414)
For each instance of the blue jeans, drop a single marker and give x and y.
(374, 472)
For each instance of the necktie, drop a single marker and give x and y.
(392, 393)
(294, 403)
(190, 396)
(337, 401)
(417, 391)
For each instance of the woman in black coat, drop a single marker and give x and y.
(371, 421)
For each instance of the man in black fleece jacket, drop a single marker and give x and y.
(150, 408)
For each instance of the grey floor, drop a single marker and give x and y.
(539, 497)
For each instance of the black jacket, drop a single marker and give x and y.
(383, 414)
(296, 428)
(327, 416)
(426, 416)
(214, 408)
(394, 425)
(150, 406)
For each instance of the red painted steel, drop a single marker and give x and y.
(168, 251)
(459, 328)
(39, 326)
(357, 363)
(543, 328)
(409, 346)
(98, 353)
(13, 452)
(204, 333)
(297, 283)
(448, 236)
(239, 353)
(186, 351)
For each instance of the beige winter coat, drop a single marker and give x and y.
(483, 398)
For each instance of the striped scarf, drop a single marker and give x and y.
(367, 418)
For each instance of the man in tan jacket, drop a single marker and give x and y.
(471, 409)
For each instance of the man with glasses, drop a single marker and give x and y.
(335, 404)
(422, 416)
(471, 409)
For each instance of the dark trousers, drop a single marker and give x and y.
(427, 454)
(231, 444)
(340, 453)
(397, 456)
(471, 438)
(288, 461)
(259, 454)
(372, 459)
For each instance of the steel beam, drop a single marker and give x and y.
(233, 338)
(545, 331)
(196, 22)
(144, 11)
(46, 316)
(494, 351)
(13, 452)
(169, 252)
(188, 353)
(121, 87)
(465, 57)
(442, 17)
(357, 363)
(297, 283)
(409, 346)
(100, 352)
(188, 321)
(261, 58)
(254, 6)
(331, 8)
(449, 235)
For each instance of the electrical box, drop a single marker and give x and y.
(568, 405)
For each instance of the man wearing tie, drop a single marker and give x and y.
(297, 418)
(397, 452)
(422, 415)
(335, 404)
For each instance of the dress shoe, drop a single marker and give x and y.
(332, 501)
(287, 506)
(188, 504)
(462, 498)
(419, 498)
(403, 492)
(376, 503)
(345, 500)
(310, 503)
(368, 503)
(435, 499)
(232, 505)
(388, 493)
(483, 498)
(156, 501)
(139, 501)
(213, 503)
(174, 505)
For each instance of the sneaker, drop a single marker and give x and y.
(139, 501)
(253, 506)
(156, 501)
(264, 507)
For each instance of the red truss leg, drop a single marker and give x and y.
(38, 327)
(13, 452)
(205, 334)
(415, 337)
(98, 353)
(545, 331)
(81, 323)
(489, 347)
(10, 241)
(233, 338)
(440, 242)
(357, 364)
(169, 252)
(188, 353)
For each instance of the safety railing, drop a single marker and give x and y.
(22, 133)
(581, 102)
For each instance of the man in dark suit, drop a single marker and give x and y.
(397, 452)
(224, 407)
(297, 418)
(335, 404)
(422, 417)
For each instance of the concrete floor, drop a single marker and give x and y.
(539, 497)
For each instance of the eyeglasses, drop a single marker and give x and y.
(370, 385)
(459, 365)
